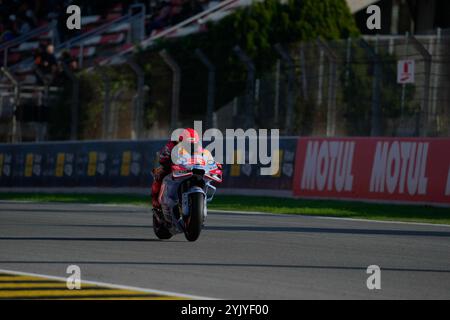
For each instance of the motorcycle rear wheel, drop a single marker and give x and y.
(193, 224)
(160, 231)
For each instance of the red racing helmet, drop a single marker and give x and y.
(189, 135)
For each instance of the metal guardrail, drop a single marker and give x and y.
(78, 41)
(151, 39)
(17, 41)
(25, 37)
(17, 95)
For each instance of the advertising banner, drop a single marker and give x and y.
(385, 169)
(121, 164)
(78, 164)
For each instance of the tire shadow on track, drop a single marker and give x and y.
(386, 232)
(349, 231)
(221, 265)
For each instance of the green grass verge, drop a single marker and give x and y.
(267, 204)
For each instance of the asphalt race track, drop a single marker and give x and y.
(238, 256)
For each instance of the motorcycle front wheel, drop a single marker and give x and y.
(193, 223)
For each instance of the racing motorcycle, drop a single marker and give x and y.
(184, 196)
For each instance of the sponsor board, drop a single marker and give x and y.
(78, 164)
(389, 169)
(383, 169)
(248, 175)
(120, 164)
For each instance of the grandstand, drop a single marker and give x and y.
(35, 45)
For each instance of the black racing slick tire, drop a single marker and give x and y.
(193, 223)
(160, 230)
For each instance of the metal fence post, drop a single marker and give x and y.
(348, 58)
(375, 128)
(44, 101)
(176, 87)
(75, 101)
(289, 66)
(332, 81)
(113, 115)
(106, 102)
(320, 78)
(139, 106)
(303, 72)
(250, 96)
(402, 105)
(276, 107)
(16, 135)
(211, 86)
(81, 55)
(437, 74)
(425, 126)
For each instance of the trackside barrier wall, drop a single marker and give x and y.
(118, 164)
(403, 170)
(407, 170)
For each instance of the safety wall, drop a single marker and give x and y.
(407, 170)
(119, 164)
(78, 164)
(383, 169)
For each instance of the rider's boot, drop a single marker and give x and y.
(156, 186)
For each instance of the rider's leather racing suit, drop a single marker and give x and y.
(163, 170)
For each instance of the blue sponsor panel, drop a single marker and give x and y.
(78, 164)
(6, 165)
(249, 176)
(120, 164)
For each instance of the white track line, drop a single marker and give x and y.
(329, 218)
(246, 213)
(110, 285)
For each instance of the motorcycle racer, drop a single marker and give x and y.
(189, 136)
